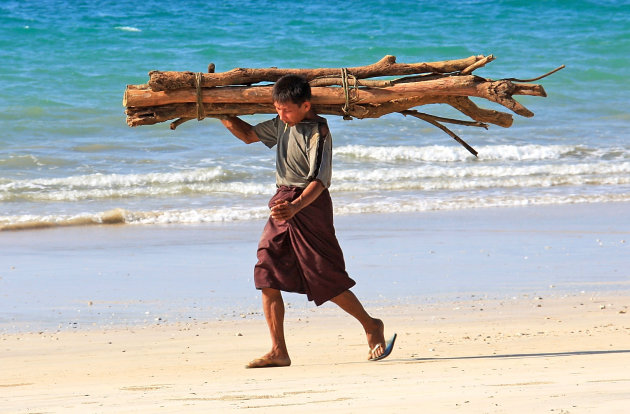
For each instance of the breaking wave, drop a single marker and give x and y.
(440, 153)
(366, 179)
(230, 214)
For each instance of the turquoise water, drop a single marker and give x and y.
(67, 154)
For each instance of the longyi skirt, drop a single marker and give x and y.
(302, 254)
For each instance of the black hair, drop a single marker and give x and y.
(291, 88)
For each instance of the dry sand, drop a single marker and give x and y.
(566, 354)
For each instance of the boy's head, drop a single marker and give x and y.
(292, 98)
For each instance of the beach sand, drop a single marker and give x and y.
(568, 355)
(499, 311)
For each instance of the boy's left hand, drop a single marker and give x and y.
(283, 210)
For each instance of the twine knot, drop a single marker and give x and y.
(345, 84)
(201, 113)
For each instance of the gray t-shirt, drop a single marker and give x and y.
(302, 154)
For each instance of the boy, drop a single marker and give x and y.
(298, 250)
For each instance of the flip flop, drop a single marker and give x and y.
(389, 347)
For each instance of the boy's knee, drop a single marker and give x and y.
(271, 293)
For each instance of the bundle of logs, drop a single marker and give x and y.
(348, 92)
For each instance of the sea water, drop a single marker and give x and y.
(68, 157)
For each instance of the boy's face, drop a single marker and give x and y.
(291, 113)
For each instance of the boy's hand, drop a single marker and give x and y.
(283, 210)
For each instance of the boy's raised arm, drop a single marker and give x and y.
(240, 129)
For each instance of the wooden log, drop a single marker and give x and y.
(183, 96)
(373, 83)
(186, 112)
(476, 65)
(497, 91)
(137, 116)
(461, 103)
(387, 66)
(469, 108)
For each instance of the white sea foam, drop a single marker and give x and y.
(236, 188)
(99, 186)
(121, 216)
(216, 180)
(441, 177)
(467, 202)
(439, 153)
(128, 28)
(129, 180)
(366, 206)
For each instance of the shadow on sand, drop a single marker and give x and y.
(506, 356)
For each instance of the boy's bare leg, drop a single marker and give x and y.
(374, 328)
(273, 307)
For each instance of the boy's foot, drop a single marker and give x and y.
(376, 339)
(268, 361)
(388, 350)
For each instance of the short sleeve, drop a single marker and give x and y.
(321, 159)
(267, 131)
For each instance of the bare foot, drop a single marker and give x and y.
(376, 339)
(269, 360)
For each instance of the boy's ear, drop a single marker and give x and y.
(306, 106)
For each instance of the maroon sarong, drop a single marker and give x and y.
(302, 254)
